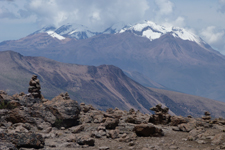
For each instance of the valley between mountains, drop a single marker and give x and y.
(105, 86)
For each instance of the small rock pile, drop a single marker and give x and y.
(65, 96)
(34, 87)
(161, 115)
(206, 116)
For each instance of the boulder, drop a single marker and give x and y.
(193, 134)
(27, 140)
(18, 128)
(66, 110)
(187, 127)
(27, 101)
(4, 95)
(3, 112)
(19, 96)
(20, 115)
(113, 134)
(76, 129)
(86, 140)
(176, 120)
(39, 110)
(111, 123)
(218, 139)
(136, 119)
(219, 121)
(57, 111)
(148, 130)
(7, 146)
(86, 108)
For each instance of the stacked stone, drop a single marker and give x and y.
(161, 115)
(34, 87)
(65, 96)
(207, 116)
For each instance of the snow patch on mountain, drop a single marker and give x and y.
(153, 31)
(68, 31)
(55, 35)
(151, 35)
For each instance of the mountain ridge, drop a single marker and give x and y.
(181, 65)
(104, 86)
(145, 28)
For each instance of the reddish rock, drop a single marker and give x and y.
(18, 115)
(187, 127)
(147, 130)
(176, 120)
(113, 134)
(111, 123)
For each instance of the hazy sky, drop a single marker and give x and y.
(206, 18)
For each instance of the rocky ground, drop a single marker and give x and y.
(62, 124)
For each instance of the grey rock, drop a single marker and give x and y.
(86, 140)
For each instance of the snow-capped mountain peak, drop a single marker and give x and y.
(153, 31)
(146, 29)
(68, 31)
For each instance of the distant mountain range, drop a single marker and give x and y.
(171, 57)
(104, 86)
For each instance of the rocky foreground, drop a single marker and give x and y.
(63, 124)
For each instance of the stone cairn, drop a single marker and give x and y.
(161, 115)
(65, 96)
(206, 116)
(34, 87)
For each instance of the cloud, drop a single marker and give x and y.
(100, 14)
(11, 9)
(90, 13)
(165, 7)
(165, 14)
(215, 37)
(5, 13)
(222, 6)
(211, 35)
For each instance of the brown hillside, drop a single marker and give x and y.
(104, 86)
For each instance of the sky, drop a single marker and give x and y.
(205, 18)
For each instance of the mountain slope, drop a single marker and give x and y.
(103, 86)
(174, 58)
